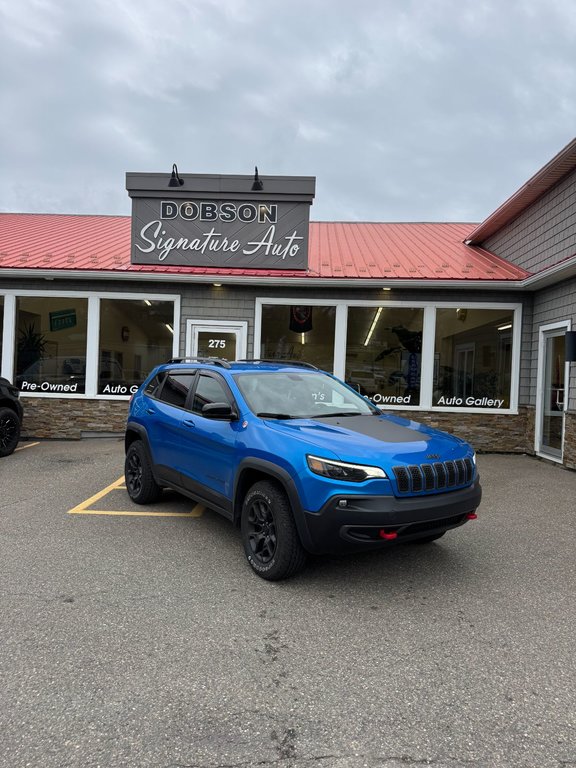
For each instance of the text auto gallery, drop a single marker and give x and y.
(411, 315)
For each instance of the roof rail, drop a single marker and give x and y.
(210, 360)
(296, 363)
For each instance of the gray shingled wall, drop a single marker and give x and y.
(544, 234)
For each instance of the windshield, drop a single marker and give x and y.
(297, 395)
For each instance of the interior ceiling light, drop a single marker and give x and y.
(373, 326)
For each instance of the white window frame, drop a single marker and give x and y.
(239, 327)
(543, 330)
(92, 338)
(428, 341)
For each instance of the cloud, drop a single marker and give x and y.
(403, 111)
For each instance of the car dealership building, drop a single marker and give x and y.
(463, 326)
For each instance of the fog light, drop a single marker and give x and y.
(342, 503)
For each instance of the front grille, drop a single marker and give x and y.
(441, 476)
(402, 479)
(416, 478)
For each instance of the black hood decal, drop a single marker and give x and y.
(377, 428)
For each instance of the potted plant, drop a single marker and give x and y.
(31, 346)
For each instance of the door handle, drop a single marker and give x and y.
(150, 411)
(188, 423)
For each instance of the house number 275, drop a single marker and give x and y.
(217, 343)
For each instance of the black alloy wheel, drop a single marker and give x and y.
(140, 483)
(261, 531)
(9, 431)
(269, 534)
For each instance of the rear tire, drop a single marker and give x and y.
(140, 483)
(9, 431)
(271, 542)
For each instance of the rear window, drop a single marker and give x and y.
(154, 385)
(175, 389)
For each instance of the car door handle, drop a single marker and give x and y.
(150, 411)
(188, 423)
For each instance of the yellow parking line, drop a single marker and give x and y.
(97, 496)
(82, 508)
(28, 445)
(196, 512)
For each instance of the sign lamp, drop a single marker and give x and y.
(257, 185)
(175, 180)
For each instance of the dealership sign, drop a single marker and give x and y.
(219, 222)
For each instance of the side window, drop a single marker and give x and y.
(209, 390)
(154, 386)
(176, 388)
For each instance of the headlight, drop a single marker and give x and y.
(340, 470)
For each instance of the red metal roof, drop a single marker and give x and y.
(343, 250)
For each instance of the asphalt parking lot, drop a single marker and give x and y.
(145, 640)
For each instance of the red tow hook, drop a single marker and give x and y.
(471, 516)
(387, 536)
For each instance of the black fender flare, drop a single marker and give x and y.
(285, 479)
(132, 428)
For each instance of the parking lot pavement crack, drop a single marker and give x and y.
(10, 504)
(391, 761)
(68, 598)
(292, 761)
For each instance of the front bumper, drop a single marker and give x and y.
(358, 524)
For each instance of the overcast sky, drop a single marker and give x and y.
(404, 110)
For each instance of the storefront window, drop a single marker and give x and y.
(473, 358)
(383, 353)
(51, 344)
(299, 333)
(135, 336)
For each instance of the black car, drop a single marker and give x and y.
(10, 417)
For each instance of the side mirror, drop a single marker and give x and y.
(222, 411)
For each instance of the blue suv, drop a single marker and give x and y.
(296, 458)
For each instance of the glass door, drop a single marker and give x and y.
(215, 338)
(552, 393)
(464, 369)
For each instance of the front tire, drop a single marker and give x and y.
(140, 483)
(271, 542)
(9, 431)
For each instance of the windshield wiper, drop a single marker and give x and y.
(272, 415)
(337, 413)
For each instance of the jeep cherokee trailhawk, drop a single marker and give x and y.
(296, 458)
